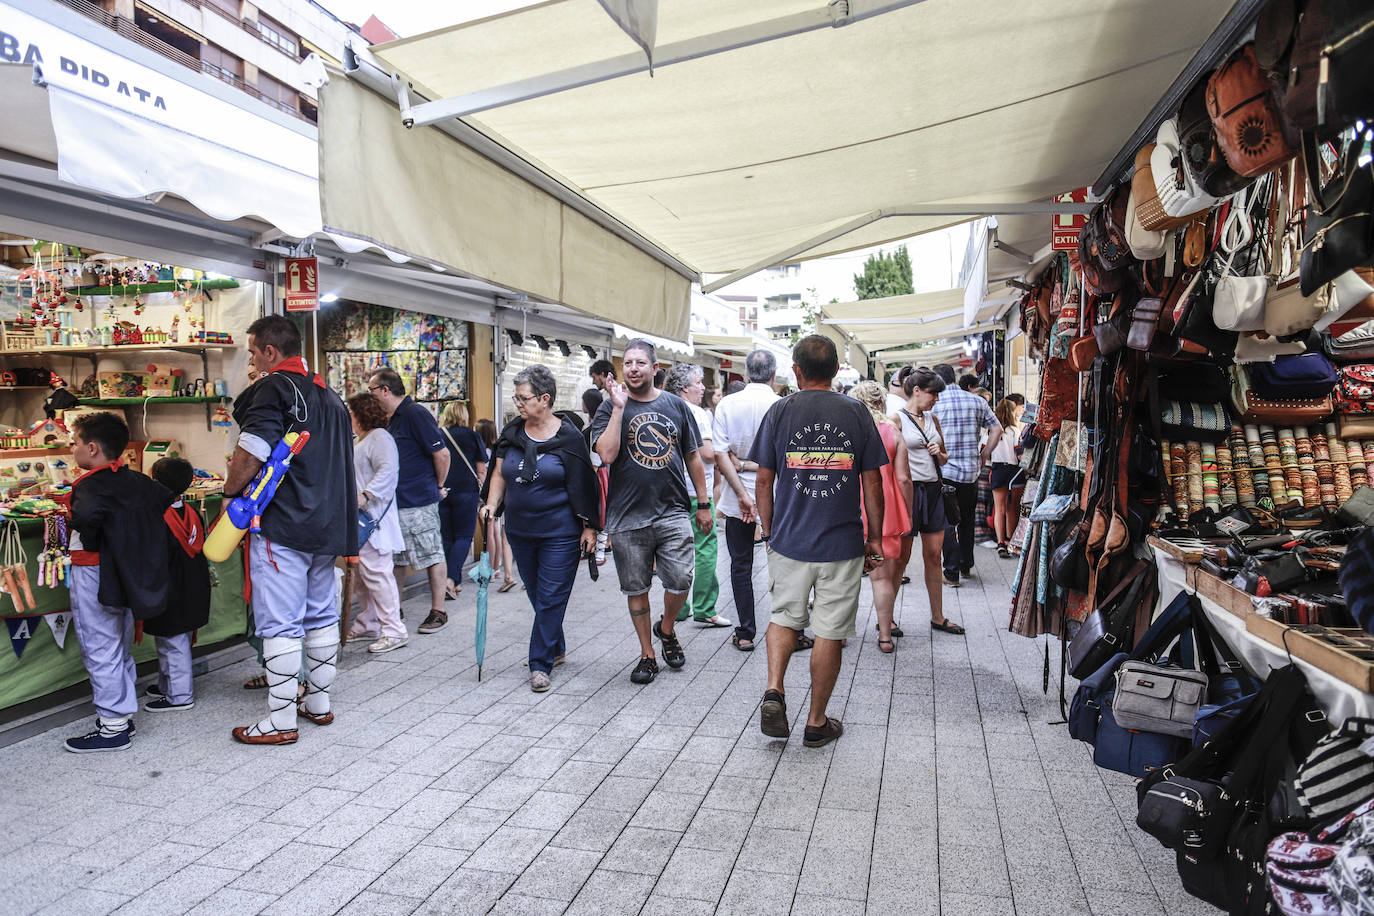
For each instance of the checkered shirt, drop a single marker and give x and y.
(963, 416)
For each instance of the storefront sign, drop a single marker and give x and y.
(302, 285)
(1067, 226)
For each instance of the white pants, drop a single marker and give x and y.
(174, 668)
(104, 634)
(292, 591)
(379, 604)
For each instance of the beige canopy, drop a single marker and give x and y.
(825, 140)
(923, 319)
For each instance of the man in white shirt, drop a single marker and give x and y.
(896, 394)
(737, 421)
(685, 381)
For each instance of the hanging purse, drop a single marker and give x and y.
(1178, 195)
(1254, 409)
(1339, 232)
(1331, 67)
(1202, 156)
(1244, 109)
(1148, 210)
(1305, 376)
(1238, 302)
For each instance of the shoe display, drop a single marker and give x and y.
(387, 643)
(162, 704)
(539, 681)
(434, 622)
(645, 671)
(98, 741)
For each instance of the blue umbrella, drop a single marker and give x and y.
(481, 574)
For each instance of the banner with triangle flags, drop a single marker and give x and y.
(60, 623)
(21, 631)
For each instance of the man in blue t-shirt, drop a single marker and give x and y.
(814, 449)
(424, 460)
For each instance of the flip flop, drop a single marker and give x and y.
(508, 585)
(948, 626)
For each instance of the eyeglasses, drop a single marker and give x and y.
(521, 401)
(376, 388)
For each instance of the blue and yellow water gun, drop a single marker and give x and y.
(244, 513)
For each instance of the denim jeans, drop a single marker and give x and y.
(458, 521)
(548, 567)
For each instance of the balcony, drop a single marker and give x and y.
(258, 31)
(132, 32)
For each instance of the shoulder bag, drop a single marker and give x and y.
(1107, 630)
(947, 491)
(1339, 232)
(1244, 108)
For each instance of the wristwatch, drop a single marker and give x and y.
(703, 504)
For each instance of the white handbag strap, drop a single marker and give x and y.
(461, 455)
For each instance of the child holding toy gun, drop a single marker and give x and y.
(188, 592)
(119, 571)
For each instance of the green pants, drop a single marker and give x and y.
(705, 587)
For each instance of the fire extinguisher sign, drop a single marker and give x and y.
(302, 285)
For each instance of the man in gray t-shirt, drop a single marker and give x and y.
(649, 441)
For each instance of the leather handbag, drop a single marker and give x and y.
(1331, 67)
(1163, 699)
(1146, 244)
(1303, 376)
(1082, 352)
(1144, 321)
(1351, 298)
(1252, 408)
(1355, 426)
(1339, 232)
(1238, 303)
(1148, 210)
(1107, 630)
(1354, 346)
(1196, 324)
(1202, 155)
(367, 524)
(1194, 380)
(1245, 113)
(1178, 194)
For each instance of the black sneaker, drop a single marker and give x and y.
(672, 648)
(98, 741)
(153, 691)
(644, 672)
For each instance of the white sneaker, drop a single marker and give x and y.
(386, 644)
(539, 681)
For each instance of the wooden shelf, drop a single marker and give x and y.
(135, 402)
(24, 387)
(122, 348)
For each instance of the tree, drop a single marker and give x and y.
(885, 275)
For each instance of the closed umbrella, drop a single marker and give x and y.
(481, 574)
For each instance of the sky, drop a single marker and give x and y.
(413, 17)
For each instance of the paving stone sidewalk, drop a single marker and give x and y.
(951, 792)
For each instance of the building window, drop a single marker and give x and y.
(279, 36)
(220, 63)
(231, 7)
(277, 94)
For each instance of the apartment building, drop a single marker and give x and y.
(256, 47)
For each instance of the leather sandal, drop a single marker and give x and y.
(317, 718)
(804, 642)
(887, 646)
(820, 737)
(271, 738)
(256, 682)
(948, 626)
(743, 643)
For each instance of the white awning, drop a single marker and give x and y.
(922, 319)
(124, 127)
(825, 140)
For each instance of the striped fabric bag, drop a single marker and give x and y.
(1338, 774)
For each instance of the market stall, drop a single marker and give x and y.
(84, 330)
(1205, 455)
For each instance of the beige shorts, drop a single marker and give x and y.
(791, 582)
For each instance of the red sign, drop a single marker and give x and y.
(302, 285)
(1067, 226)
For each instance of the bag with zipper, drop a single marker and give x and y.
(1298, 867)
(1163, 698)
(1339, 232)
(1304, 376)
(1330, 81)
(1107, 630)
(1355, 391)
(1245, 112)
(1178, 194)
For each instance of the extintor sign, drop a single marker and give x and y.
(302, 285)
(1067, 226)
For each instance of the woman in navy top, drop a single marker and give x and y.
(467, 471)
(545, 486)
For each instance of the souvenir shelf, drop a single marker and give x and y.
(162, 286)
(139, 402)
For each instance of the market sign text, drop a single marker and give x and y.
(10, 51)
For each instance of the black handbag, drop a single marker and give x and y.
(1108, 629)
(1197, 325)
(1339, 232)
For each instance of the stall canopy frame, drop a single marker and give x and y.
(958, 134)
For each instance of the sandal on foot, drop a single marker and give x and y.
(948, 626)
(896, 631)
(324, 718)
(804, 642)
(773, 715)
(256, 682)
(886, 646)
(743, 643)
(672, 647)
(508, 585)
(820, 737)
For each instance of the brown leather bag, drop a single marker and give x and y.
(1148, 209)
(1243, 105)
(1082, 352)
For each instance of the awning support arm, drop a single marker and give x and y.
(872, 216)
(832, 15)
(1232, 26)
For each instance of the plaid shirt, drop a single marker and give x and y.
(963, 416)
